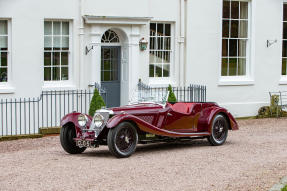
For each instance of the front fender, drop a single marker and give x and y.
(211, 112)
(73, 118)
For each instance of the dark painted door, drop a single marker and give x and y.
(110, 74)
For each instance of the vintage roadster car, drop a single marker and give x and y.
(122, 128)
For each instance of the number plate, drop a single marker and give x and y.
(83, 143)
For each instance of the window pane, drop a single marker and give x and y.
(48, 28)
(152, 57)
(64, 58)
(47, 58)
(3, 42)
(226, 9)
(56, 73)
(47, 74)
(152, 45)
(151, 70)
(107, 76)
(285, 30)
(284, 12)
(167, 29)
(243, 10)
(167, 43)
(234, 29)
(159, 29)
(159, 56)
(65, 73)
(3, 28)
(65, 43)
(284, 66)
(242, 48)
(56, 43)
(235, 10)
(284, 48)
(152, 29)
(166, 57)
(159, 43)
(56, 59)
(225, 29)
(224, 47)
(241, 66)
(3, 61)
(3, 74)
(232, 66)
(232, 47)
(224, 67)
(65, 28)
(48, 43)
(166, 70)
(158, 71)
(243, 29)
(56, 28)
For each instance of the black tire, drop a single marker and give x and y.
(122, 140)
(66, 137)
(219, 130)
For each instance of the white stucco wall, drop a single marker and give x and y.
(202, 47)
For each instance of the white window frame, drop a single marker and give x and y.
(248, 78)
(59, 84)
(6, 87)
(164, 80)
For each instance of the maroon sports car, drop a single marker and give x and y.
(122, 128)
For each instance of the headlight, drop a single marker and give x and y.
(98, 120)
(82, 120)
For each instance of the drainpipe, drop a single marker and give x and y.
(181, 42)
(81, 48)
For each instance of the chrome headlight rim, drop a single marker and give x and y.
(82, 120)
(98, 120)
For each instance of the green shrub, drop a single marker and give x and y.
(171, 96)
(97, 102)
(284, 188)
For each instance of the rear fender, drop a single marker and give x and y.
(211, 112)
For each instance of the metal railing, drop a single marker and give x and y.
(191, 93)
(28, 115)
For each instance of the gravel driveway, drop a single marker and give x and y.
(253, 158)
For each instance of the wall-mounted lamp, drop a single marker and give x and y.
(271, 42)
(88, 49)
(143, 44)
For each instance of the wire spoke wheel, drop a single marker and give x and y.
(219, 130)
(122, 140)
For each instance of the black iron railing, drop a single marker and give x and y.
(27, 115)
(191, 93)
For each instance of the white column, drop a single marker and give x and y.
(95, 61)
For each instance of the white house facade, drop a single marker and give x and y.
(237, 48)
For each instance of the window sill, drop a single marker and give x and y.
(160, 82)
(235, 81)
(283, 80)
(60, 85)
(7, 89)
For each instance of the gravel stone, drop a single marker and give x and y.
(253, 159)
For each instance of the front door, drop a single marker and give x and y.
(110, 74)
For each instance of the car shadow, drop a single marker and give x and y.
(151, 148)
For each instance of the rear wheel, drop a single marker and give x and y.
(219, 130)
(67, 135)
(122, 140)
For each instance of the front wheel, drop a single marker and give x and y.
(122, 140)
(67, 135)
(219, 131)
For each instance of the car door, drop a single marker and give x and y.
(183, 122)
